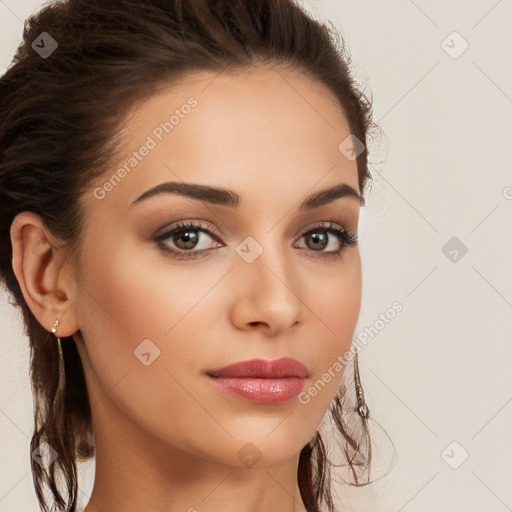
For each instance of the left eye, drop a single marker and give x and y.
(186, 237)
(319, 239)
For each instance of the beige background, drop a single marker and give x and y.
(438, 376)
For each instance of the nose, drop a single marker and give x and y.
(266, 295)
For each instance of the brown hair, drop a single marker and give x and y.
(61, 116)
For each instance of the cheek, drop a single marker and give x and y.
(133, 296)
(336, 301)
(337, 307)
(130, 299)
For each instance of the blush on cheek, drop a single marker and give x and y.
(338, 311)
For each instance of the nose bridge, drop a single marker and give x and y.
(266, 258)
(269, 282)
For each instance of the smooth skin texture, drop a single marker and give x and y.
(167, 440)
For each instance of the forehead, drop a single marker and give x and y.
(243, 89)
(246, 130)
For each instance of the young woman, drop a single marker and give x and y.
(180, 186)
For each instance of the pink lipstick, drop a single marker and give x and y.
(262, 381)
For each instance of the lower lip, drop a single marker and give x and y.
(262, 391)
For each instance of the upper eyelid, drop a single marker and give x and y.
(204, 225)
(198, 226)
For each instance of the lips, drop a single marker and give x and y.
(260, 368)
(261, 381)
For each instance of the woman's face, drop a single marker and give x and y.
(155, 316)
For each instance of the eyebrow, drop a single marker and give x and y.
(224, 197)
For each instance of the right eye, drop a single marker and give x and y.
(185, 238)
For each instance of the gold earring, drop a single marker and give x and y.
(62, 377)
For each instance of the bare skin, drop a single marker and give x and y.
(167, 440)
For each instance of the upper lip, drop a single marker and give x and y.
(283, 367)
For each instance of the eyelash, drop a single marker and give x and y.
(346, 238)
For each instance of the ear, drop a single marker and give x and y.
(44, 274)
